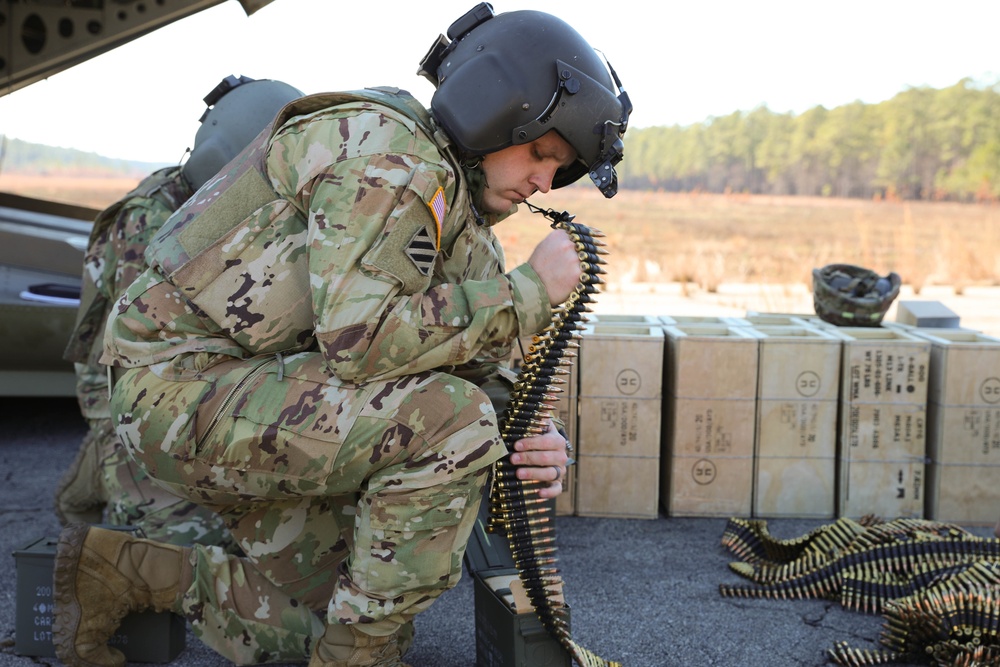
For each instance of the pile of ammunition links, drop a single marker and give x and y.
(516, 510)
(936, 585)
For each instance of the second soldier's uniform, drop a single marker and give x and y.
(104, 483)
(324, 320)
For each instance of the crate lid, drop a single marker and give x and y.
(39, 547)
(46, 546)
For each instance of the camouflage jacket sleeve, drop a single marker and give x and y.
(87, 339)
(114, 258)
(113, 262)
(396, 289)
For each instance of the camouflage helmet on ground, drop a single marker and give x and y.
(507, 79)
(238, 109)
(851, 296)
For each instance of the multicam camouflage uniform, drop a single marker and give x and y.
(325, 318)
(104, 474)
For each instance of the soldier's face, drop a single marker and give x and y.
(515, 173)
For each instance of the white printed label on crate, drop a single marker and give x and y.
(43, 614)
(42, 619)
(883, 372)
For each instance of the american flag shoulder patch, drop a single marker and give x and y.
(437, 205)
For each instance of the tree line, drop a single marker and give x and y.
(23, 157)
(924, 143)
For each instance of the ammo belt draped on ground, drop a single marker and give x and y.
(515, 509)
(936, 585)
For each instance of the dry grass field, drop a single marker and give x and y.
(80, 190)
(707, 240)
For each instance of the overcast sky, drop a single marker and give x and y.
(681, 62)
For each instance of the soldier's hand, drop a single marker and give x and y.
(556, 262)
(543, 457)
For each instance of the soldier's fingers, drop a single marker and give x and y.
(550, 491)
(550, 440)
(540, 458)
(549, 473)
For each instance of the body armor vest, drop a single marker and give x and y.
(199, 244)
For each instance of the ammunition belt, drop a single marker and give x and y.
(936, 585)
(515, 508)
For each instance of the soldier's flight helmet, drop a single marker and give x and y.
(506, 79)
(238, 109)
(852, 296)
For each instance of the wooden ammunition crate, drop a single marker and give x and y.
(687, 320)
(621, 361)
(708, 460)
(795, 446)
(777, 319)
(617, 486)
(709, 413)
(963, 426)
(758, 317)
(795, 461)
(640, 320)
(883, 365)
(618, 420)
(881, 446)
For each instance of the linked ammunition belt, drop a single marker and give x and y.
(515, 508)
(936, 585)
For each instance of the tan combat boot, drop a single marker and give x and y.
(100, 577)
(79, 495)
(345, 646)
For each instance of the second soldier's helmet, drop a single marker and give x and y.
(506, 79)
(852, 296)
(238, 109)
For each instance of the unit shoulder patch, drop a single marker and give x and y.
(422, 250)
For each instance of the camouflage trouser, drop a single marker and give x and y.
(353, 499)
(109, 482)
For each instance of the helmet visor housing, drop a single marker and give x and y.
(514, 77)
